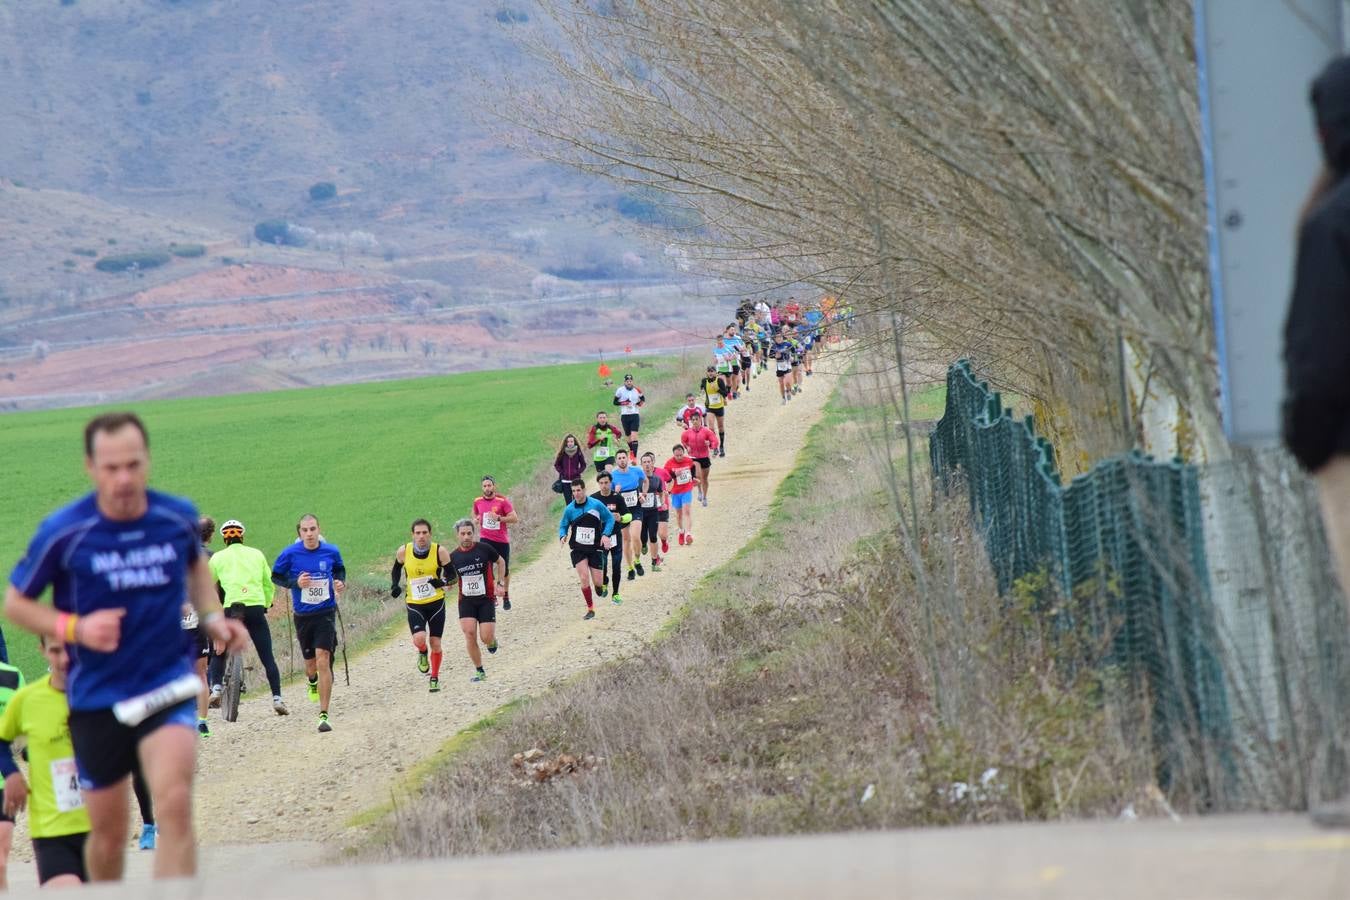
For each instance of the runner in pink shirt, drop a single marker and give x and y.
(682, 471)
(702, 444)
(494, 514)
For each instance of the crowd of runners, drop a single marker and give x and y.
(144, 614)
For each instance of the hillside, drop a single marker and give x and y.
(356, 138)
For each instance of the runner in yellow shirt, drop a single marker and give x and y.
(57, 820)
(422, 561)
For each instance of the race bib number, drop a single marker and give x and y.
(684, 476)
(586, 536)
(473, 585)
(66, 785)
(649, 501)
(491, 522)
(714, 399)
(602, 451)
(630, 498)
(317, 592)
(189, 619)
(421, 588)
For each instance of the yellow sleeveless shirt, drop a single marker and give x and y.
(419, 572)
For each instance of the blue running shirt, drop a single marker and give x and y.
(320, 564)
(629, 482)
(92, 563)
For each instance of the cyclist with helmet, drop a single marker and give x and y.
(244, 582)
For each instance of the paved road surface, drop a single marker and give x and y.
(1234, 858)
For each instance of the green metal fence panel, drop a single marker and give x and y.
(1124, 543)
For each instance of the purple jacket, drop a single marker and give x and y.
(569, 467)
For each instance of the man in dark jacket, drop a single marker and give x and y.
(1317, 338)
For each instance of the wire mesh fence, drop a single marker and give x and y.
(1211, 585)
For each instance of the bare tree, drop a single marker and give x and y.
(1018, 183)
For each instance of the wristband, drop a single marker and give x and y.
(72, 620)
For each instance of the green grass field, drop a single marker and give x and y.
(366, 459)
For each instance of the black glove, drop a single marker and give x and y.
(436, 583)
(395, 590)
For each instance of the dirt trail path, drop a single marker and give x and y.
(269, 780)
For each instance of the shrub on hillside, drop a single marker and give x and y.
(146, 259)
(512, 16)
(187, 250)
(323, 190)
(581, 273)
(84, 251)
(280, 232)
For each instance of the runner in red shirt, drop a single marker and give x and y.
(691, 407)
(683, 474)
(702, 444)
(494, 515)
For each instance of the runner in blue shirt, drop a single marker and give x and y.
(314, 572)
(631, 483)
(587, 527)
(736, 345)
(119, 562)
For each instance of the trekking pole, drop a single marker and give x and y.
(290, 639)
(346, 672)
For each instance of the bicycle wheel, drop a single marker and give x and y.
(234, 682)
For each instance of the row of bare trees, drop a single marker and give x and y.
(1018, 181)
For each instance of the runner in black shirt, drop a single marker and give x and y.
(622, 516)
(471, 563)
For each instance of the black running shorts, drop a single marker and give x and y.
(503, 549)
(316, 631)
(703, 461)
(481, 608)
(199, 645)
(428, 617)
(56, 856)
(106, 750)
(630, 422)
(596, 558)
